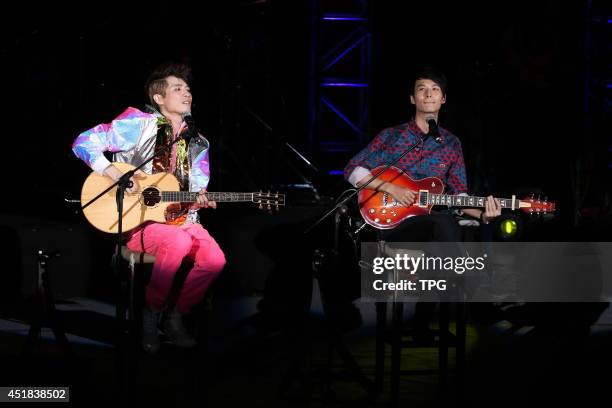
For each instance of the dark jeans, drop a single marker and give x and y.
(435, 227)
(425, 228)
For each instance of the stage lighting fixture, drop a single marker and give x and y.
(509, 227)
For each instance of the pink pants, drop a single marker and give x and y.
(170, 244)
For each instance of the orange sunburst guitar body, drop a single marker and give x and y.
(381, 211)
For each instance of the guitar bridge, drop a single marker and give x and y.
(388, 202)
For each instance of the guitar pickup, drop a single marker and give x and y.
(423, 198)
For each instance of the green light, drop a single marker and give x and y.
(509, 227)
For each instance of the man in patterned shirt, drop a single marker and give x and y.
(442, 159)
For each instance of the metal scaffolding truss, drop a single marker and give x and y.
(597, 106)
(339, 79)
(598, 71)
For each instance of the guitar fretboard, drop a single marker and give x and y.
(463, 201)
(189, 197)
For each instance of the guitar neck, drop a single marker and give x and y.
(467, 201)
(220, 197)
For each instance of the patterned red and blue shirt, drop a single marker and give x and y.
(443, 160)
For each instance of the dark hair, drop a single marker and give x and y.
(429, 73)
(156, 82)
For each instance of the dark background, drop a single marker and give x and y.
(518, 76)
(516, 95)
(528, 97)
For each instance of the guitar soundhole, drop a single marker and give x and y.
(151, 196)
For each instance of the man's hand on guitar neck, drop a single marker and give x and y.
(492, 210)
(115, 174)
(203, 201)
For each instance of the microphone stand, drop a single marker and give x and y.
(341, 204)
(306, 182)
(301, 156)
(336, 341)
(125, 315)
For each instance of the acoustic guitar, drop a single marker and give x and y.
(158, 199)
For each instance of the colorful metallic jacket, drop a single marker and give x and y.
(131, 138)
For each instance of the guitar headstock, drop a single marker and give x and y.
(535, 205)
(269, 201)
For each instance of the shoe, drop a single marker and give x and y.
(486, 313)
(522, 314)
(176, 332)
(150, 330)
(423, 336)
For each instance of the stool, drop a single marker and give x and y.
(396, 333)
(138, 280)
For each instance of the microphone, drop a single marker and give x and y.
(190, 124)
(433, 129)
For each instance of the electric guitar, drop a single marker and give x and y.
(158, 199)
(381, 211)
